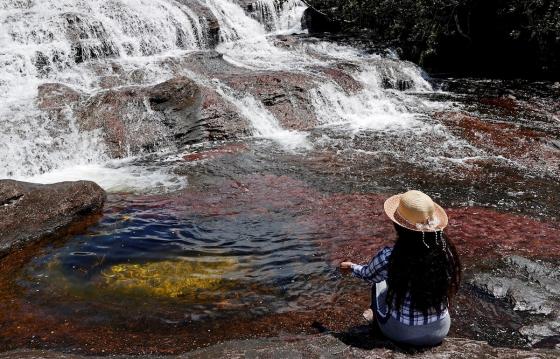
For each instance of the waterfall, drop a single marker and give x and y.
(281, 17)
(265, 125)
(86, 44)
(71, 42)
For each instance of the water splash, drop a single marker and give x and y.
(264, 124)
(81, 43)
(73, 42)
(281, 17)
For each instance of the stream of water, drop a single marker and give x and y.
(244, 229)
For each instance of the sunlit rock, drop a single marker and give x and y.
(29, 211)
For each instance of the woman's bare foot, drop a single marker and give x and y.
(368, 315)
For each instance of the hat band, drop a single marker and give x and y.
(429, 225)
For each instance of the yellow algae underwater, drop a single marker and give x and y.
(171, 279)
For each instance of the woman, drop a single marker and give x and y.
(415, 279)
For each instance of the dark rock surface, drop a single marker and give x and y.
(527, 286)
(135, 118)
(57, 100)
(321, 346)
(220, 118)
(284, 94)
(317, 22)
(30, 211)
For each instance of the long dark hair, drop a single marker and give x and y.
(426, 266)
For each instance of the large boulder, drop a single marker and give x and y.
(222, 119)
(284, 94)
(134, 119)
(29, 211)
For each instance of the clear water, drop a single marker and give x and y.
(221, 233)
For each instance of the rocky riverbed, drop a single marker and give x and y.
(239, 160)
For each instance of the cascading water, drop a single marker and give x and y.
(281, 17)
(65, 42)
(238, 236)
(79, 43)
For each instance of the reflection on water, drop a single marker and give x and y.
(145, 262)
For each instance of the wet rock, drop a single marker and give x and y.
(209, 63)
(30, 211)
(342, 346)
(56, 96)
(179, 101)
(134, 119)
(528, 286)
(89, 38)
(284, 94)
(207, 19)
(343, 79)
(221, 119)
(398, 84)
(225, 150)
(512, 141)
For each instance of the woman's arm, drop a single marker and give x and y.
(374, 271)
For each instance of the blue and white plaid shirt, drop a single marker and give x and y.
(377, 271)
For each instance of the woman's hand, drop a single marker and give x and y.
(345, 267)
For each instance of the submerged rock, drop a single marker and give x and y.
(30, 211)
(168, 278)
(520, 143)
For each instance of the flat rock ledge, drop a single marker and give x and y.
(319, 346)
(29, 211)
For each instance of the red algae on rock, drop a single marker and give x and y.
(341, 226)
(520, 144)
(215, 152)
(481, 233)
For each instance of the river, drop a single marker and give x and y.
(237, 232)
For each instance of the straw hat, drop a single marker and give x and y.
(416, 211)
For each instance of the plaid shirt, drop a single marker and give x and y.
(377, 271)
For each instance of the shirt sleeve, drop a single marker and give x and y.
(376, 270)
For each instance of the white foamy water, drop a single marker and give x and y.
(74, 42)
(115, 176)
(264, 124)
(284, 17)
(90, 44)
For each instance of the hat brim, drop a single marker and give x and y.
(391, 205)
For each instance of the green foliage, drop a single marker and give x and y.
(425, 30)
